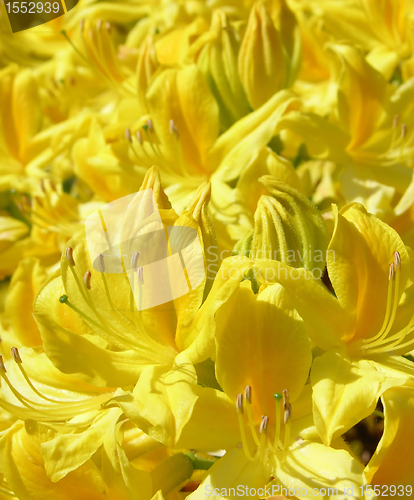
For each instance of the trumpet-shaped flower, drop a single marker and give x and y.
(263, 416)
(362, 337)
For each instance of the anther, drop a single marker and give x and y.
(248, 394)
(286, 406)
(42, 182)
(69, 256)
(287, 413)
(108, 27)
(150, 125)
(173, 128)
(403, 130)
(140, 275)
(134, 260)
(99, 25)
(16, 355)
(392, 272)
(38, 201)
(101, 262)
(139, 137)
(128, 135)
(87, 279)
(53, 186)
(264, 423)
(395, 121)
(2, 367)
(397, 259)
(82, 24)
(239, 403)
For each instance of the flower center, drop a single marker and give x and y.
(132, 336)
(262, 441)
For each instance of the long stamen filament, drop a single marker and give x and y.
(278, 397)
(392, 305)
(263, 433)
(239, 406)
(391, 283)
(248, 399)
(287, 422)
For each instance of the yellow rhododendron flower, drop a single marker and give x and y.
(206, 249)
(362, 337)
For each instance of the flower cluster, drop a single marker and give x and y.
(280, 135)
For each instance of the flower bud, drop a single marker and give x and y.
(287, 227)
(262, 64)
(216, 54)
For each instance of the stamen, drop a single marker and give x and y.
(173, 129)
(403, 130)
(69, 256)
(150, 125)
(140, 275)
(139, 137)
(99, 24)
(263, 431)
(395, 121)
(392, 304)
(172, 125)
(16, 356)
(101, 263)
(239, 401)
(134, 260)
(128, 135)
(248, 398)
(239, 406)
(87, 279)
(264, 424)
(397, 259)
(278, 397)
(2, 367)
(287, 421)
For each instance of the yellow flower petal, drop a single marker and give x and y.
(261, 342)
